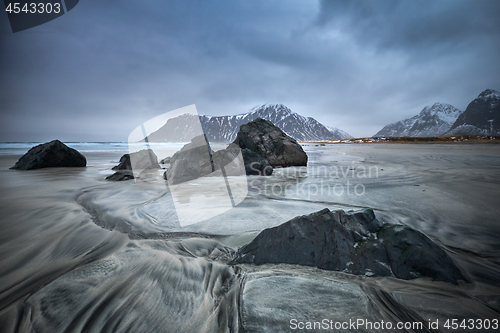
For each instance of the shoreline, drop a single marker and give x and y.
(93, 244)
(463, 139)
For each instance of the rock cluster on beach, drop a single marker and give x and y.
(196, 159)
(262, 146)
(352, 242)
(50, 154)
(140, 160)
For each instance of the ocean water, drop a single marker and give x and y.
(79, 253)
(19, 148)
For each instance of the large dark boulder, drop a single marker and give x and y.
(254, 164)
(192, 161)
(411, 254)
(352, 242)
(50, 154)
(140, 160)
(267, 140)
(196, 159)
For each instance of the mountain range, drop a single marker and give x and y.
(225, 128)
(431, 121)
(481, 117)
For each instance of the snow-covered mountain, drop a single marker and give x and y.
(225, 128)
(338, 133)
(481, 117)
(431, 121)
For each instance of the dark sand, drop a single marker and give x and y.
(78, 253)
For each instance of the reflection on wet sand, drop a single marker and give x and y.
(78, 253)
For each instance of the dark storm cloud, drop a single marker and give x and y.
(107, 66)
(427, 51)
(413, 25)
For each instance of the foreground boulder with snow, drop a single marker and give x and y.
(50, 154)
(352, 242)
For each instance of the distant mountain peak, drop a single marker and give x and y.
(489, 93)
(225, 128)
(481, 117)
(431, 121)
(339, 133)
(276, 107)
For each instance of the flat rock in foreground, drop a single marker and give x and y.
(352, 242)
(267, 140)
(50, 154)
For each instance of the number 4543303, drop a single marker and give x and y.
(472, 324)
(40, 8)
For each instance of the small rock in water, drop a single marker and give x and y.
(139, 160)
(352, 242)
(121, 175)
(50, 154)
(142, 159)
(166, 160)
(269, 141)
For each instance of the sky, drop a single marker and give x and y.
(105, 67)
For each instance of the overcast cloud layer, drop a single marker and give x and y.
(99, 71)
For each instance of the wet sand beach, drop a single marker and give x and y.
(79, 253)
